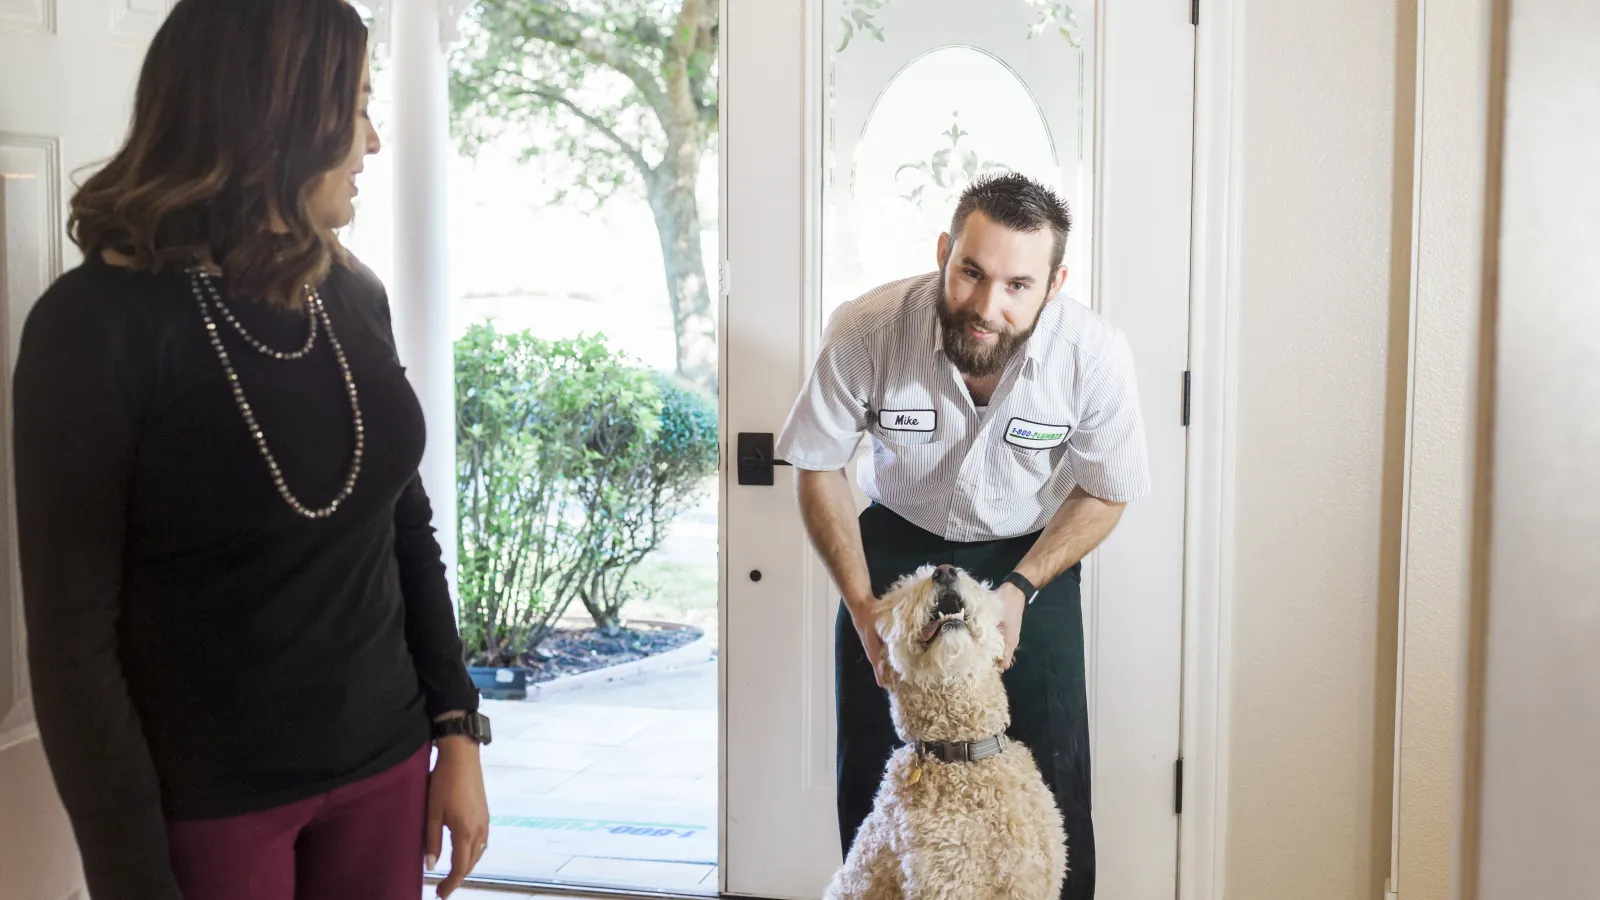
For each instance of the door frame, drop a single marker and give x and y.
(1209, 506)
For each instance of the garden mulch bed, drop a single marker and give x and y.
(573, 651)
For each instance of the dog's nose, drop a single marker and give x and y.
(945, 575)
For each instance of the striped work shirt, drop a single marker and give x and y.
(1065, 414)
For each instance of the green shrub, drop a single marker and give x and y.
(572, 460)
(641, 486)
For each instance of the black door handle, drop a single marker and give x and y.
(755, 458)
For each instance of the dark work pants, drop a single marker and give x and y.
(1045, 685)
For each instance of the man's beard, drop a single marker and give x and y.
(972, 357)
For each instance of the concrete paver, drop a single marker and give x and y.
(614, 785)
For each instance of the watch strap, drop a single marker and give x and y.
(474, 725)
(1029, 592)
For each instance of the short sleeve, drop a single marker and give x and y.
(1107, 452)
(830, 415)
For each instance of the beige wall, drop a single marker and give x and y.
(1326, 533)
(37, 856)
(1322, 274)
(1437, 573)
(1540, 789)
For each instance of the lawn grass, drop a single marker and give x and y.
(676, 592)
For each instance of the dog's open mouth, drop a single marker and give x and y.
(948, 613)
(939, 626)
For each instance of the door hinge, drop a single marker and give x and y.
(1194, 12)
(1187, 383)
(1178, 787)
(724, 275)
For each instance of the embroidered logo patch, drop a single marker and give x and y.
(907, 419)
(1034, 436)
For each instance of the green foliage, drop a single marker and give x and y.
(610, 96)
(641, 488)
(611, 88)
(571, 462)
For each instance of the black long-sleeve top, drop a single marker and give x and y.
(198, 649)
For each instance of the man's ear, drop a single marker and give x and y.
(1058, 281)
(942, 255)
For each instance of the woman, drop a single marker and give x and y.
(241, 638)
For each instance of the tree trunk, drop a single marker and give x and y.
(677, 214)
(604, 611)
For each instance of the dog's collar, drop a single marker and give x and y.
(962, 751)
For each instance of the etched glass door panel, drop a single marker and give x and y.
(923, 96)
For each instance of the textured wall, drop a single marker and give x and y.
(1540, 792)
(1450, 233)
(38, 859)
(1326, 87)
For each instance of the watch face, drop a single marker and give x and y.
(480, 728)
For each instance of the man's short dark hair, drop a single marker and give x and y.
(1016, 202)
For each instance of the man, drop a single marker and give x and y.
(1006, 439)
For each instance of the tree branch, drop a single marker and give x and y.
(572, 38)
(633, 153)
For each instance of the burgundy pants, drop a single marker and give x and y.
(364, 840)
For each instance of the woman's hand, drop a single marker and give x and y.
(456, 801)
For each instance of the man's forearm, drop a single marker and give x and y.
(828, 509)
(1082, 522)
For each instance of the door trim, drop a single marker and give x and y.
(1210, 507)
(1211, 459)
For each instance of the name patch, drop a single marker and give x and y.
(1034, 436)
(921, 420)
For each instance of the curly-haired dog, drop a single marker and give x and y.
(962, 813)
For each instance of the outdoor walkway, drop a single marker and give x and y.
(612, 785)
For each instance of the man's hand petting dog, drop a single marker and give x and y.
(865, 617)
(1014, 604)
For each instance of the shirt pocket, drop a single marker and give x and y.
(1030, 451)
(912, 461)
(1027, 470)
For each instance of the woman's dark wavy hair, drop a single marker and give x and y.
(242, 107)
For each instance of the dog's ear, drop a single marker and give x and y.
(891, 678)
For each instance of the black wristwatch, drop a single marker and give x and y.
(473, 725)
(1029, 592)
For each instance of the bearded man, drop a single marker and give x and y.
(1006, 440)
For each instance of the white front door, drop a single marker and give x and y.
(849, 127)
(67, 74)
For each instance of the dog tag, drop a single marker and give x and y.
(916, 776)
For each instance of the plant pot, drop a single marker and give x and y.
(496, 683)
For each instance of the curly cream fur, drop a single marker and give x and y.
(953, 831)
